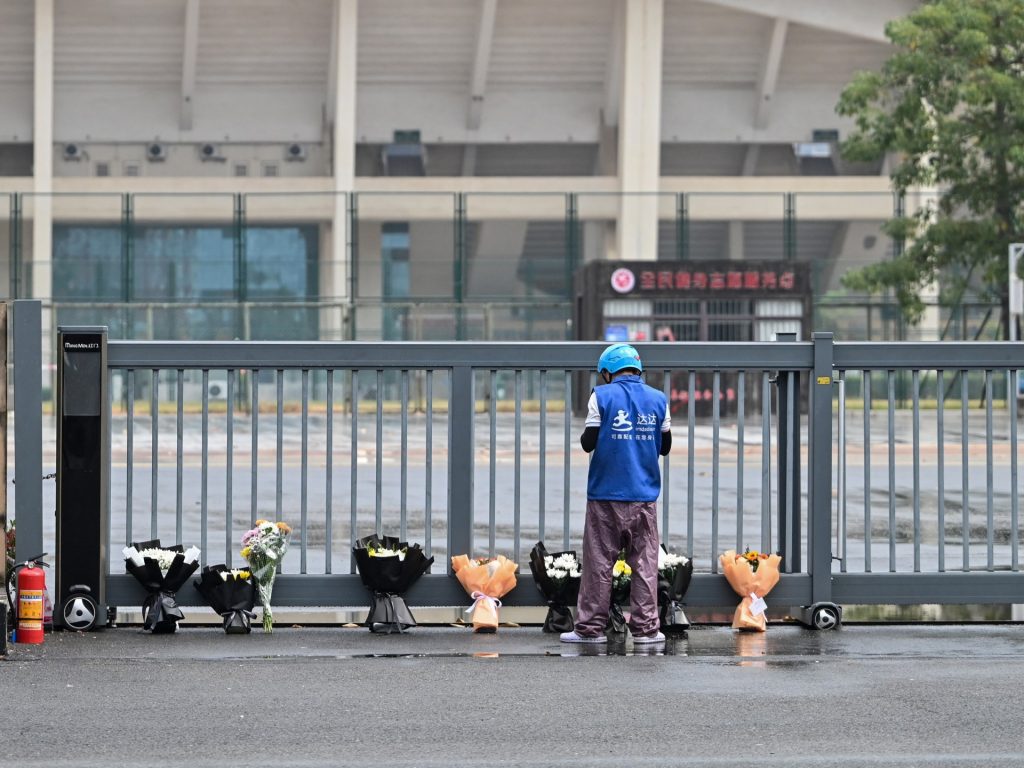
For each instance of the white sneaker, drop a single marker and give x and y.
(572, 637)
(648, 639)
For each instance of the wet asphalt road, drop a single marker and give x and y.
(860, 696)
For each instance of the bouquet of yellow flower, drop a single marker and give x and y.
(622, 579)
(264, 547)
(486, 580)
(388, 568)
(231, 593)
(752, 575)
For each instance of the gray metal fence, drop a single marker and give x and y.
(472, 447)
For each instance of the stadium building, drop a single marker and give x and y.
(397, 169)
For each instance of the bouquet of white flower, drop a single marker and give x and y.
(231, 593)
(162, 571)
(674, 574)
(557, 576)
(389, 568)
(264, 547)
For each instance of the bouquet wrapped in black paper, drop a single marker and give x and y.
(674, 574)
(388, 568)
(557, 576)
(162, 571)
(232, 594)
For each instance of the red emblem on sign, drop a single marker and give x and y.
(623, 280)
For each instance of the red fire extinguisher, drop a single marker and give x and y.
(30, 602)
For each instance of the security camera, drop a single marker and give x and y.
(295, 152)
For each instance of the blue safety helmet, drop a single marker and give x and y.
(617, 357)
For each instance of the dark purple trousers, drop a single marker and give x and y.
(609, 527)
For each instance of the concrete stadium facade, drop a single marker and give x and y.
(457, 152)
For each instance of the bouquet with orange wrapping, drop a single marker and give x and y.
(486, 580)
(752, 575)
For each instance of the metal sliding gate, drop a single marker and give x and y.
(883, 473)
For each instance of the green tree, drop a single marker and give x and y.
(949, 105)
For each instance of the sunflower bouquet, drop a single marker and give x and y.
(263, 548)
(752, 575)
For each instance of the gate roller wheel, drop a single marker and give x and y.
(79, 612)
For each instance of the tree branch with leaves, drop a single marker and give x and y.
(948, 105)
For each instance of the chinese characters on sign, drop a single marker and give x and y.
(733, 280)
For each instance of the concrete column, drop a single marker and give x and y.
(41, 207)
(640, 129)
(39, 282)
(334, 274)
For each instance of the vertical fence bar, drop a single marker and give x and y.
(666, 387)
(1011, 396)
(766, 461)
(716, 407)
(229, 467)
(741, 395)
(428, 491)
(866, 378)
(965, 520)
(820, 450)
(279, 491)
(304, 473)
(130, 467)
(154, 413)
(940, 397)
(254, 458)
(841, 477)
(493, 462)
(518, 466)
(205, 470)
(567, 447)
(329, 476)
(916, 385)
(990, 536)
(691, 417)
(403, 512)
(180, 455)
(353, 466)
(542, 480)
(891, 384)
(460, 462)
(379, 457)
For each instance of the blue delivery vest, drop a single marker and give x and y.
(624, 466)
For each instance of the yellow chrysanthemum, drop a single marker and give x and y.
(260, 522)
(245, 552)
(620, 568)
(243, 575)
(284, 528)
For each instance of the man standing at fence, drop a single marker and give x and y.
(627, 428)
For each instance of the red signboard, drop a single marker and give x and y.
(713, 280)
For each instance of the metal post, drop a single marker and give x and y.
(459, 266)
(460, 463)
(789, 465)
(820, 457)
(15, 240)
(28, 427)
(3, 473)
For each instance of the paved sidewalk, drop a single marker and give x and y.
(439, 696)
